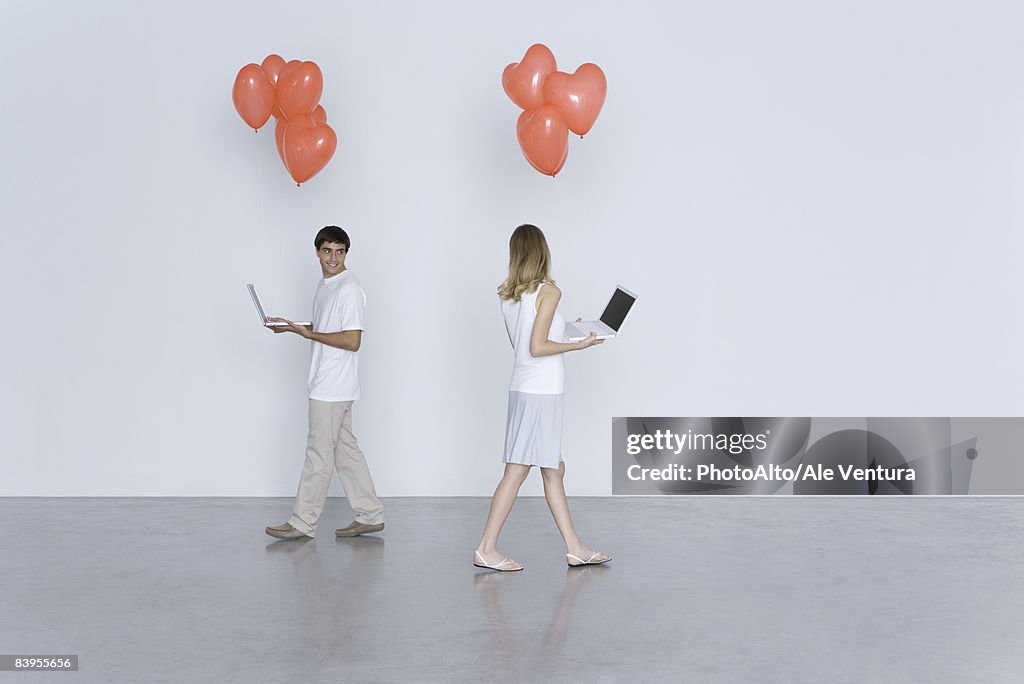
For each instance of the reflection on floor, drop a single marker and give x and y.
(703, 589)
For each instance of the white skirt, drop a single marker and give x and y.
(533, 430)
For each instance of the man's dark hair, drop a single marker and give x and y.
(332, 234)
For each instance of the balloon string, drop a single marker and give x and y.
(589, 227)
(259, 188)
(561, 200)
(576, 230)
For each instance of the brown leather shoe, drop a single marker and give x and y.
(356, 528)
(285, 531)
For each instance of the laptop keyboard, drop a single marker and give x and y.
(591, 327)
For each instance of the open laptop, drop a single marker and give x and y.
(263, 316)
(610, 321)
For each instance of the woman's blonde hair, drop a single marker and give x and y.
(529, 262)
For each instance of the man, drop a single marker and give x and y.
(337, 333)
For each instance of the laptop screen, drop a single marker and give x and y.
(256, 301)
(617, 309)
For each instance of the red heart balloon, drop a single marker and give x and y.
(253, 95)
(279, 129)
(299, 89)
(524, 81)
(272, 65)
(284, 70)
(579, 96)
(307, 147)
(289, 67)
(544, 139)
(319, 115)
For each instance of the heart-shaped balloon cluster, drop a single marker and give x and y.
(554, 103)
(290, 91)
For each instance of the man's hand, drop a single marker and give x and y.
(300, 330)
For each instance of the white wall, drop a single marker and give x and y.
(819, 205)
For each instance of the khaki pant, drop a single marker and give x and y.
(332, 446)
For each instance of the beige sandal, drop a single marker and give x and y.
(590, 561)
(503, 566)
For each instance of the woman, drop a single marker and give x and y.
(533, 433)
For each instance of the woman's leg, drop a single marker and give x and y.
(554, 492)
(501, 504)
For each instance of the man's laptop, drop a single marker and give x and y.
(263, 316)
(609, 323)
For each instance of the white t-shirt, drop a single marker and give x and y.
(338, 305)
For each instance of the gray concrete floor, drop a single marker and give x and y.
(774, 589)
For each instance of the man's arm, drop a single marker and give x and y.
(349, 340)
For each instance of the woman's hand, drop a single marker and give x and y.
(589, 341)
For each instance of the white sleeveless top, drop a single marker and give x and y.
(533, 374)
